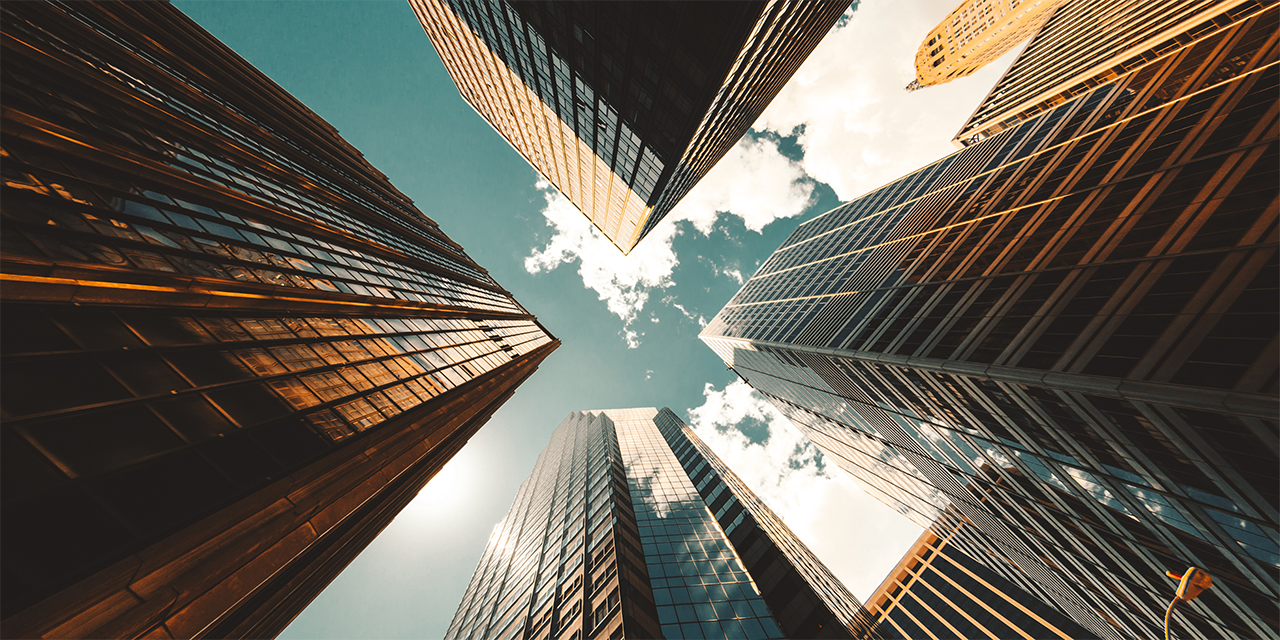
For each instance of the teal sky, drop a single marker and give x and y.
(841, 127)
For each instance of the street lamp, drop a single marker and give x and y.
(1190, 584)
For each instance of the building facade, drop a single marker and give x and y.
(1092, 42)
(938, 591)
(630, 527)
(232, 350)
(623, 106)
(1067, 333)
(976, 33)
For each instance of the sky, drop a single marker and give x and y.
(841, 127)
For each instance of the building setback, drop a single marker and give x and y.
(623, 106)
(1068, 334)
(975, 33)
(232, 350)
(629, 526)
(938, 591)
(1088, 43)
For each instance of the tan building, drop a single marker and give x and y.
(1091, 42)
(976, 33)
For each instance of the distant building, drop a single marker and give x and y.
(1067, 333)
(232, 351)
(1091, 42)
(939, 591)
(623, 106)
(975, 33)
(630, 527)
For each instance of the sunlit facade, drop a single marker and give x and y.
(976, 33)
(232, 350)
(939, 591)
(630, 527)
(623, 106)
(1067, 334)
(1091, 42)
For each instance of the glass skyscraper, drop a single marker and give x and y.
(1091, 42)
(623, 106)
(629, 526)
(1067, 333)
(938, 592)
(232, 350)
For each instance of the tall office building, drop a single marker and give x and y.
(1068, 334)
(623, 106)
(1091, 42)
(937, 591)
(629, 526)
(232, 351)
(975, 33)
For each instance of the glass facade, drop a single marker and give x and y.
(938, 591)
(623, 106)
(630, 527)
(1066, 334)
(211, 302)
(1092, 42)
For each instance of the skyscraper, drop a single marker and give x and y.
(975, 33)
(1067, 333)
(623, 106)
(232, 350)
(1091, 42)
(939, 591)
(629, 526)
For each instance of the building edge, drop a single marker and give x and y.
(290, 540)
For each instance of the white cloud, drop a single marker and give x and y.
(734, 275)
(622, 282)
(754, 181)
(699, 319)
(856, 536)
(861, 129)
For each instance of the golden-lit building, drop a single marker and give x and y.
(937, 591)
(232, 350)
(623, 106)
(630, 526)
(1087, 43)
(976, 33)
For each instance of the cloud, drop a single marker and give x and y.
(859, 129)
(782, 469)
(622, 282)
(754, 181)
(857, 537)
(699, 319)
(734, 275)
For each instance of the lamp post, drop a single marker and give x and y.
(1190, 584)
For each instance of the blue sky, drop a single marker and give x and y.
(628, 325)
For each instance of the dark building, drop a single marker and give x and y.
(232, 351)
(623, 106)
(1068, 333)
(938, 592)
(630, 527)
